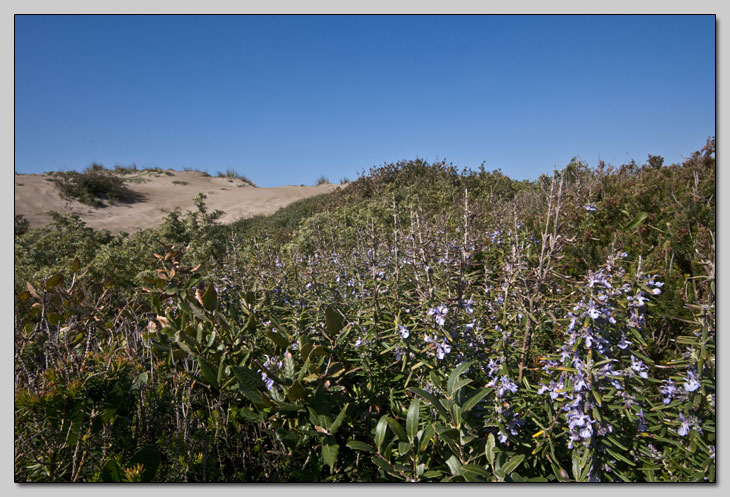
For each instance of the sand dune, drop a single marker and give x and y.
(35, 195)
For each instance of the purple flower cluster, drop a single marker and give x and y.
(502, 385)
(669, 390)
(512, 425)
(687, 424)
(270, 363)
(555, 388)
(439, 313)
(442, 348)
(595, 348)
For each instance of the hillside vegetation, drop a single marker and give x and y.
(422, 323)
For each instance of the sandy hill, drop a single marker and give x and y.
(162, 192)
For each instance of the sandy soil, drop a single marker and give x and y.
(35, 196)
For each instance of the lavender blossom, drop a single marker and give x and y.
(439, 313)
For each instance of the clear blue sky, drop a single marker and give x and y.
(284, 100)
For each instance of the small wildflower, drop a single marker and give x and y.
(439, 313)
(623, 344)
(684, 427)
(692, 382)
(404, 333)
(442, 349)
(468, 306)
(639, 366)
(507, 385)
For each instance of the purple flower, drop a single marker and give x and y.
(692, 382)
(684, 427)
(442, 349)
(639, 366)
(404, 333)
(593, 312)
(589, 207)
(468, 306)
(268, 381)
(506, 385)
(578, 419)
(579, 383)
(623, 344)
(669, 390)
(439, 313)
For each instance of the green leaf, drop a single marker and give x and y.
(431, 398)
(338, 420)
(380, 430)
(454, 465)
(425, 437)
(357, 445)
(474, 473)
(210, 299)
(397, 429)
(412, 420)
(289, 368)
(149, 457)
(277, 339)
(638, 219)
(404, 447)
(333, 320)
(474, 400)
(384, 465)
(456, 410)
(209, 372)
(221, 369)
(244, 414)
(53, 281)
(620, 457)
(54, 318)
(295, 391)
(140, 380)
(489, 449)
(330, 449)
(453, 385)
(111, 473)
(248, 377)
(560, 473)
(513, 463)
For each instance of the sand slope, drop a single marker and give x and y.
(35, 196)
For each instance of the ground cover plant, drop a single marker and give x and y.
(423, 323)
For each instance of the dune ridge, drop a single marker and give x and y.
(162, 193)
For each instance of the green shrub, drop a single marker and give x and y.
(419, 324)
(95, 186)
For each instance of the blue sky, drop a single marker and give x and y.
(286, 99)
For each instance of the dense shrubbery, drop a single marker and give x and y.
(420, 324)
(94, 186)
